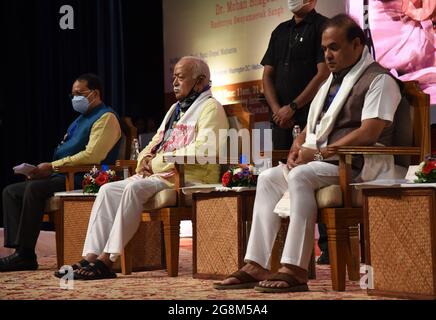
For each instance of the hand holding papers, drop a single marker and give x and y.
(24, 169)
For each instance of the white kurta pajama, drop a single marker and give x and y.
(301, 182)
(116, 214)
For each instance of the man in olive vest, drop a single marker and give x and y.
(93, 138)
(354, 107)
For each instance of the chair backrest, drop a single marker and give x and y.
(128, 133)
(412, 123)
(239, 117)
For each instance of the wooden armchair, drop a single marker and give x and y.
(170, 206)
(340, 206)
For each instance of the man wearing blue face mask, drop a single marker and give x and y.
(94, 137)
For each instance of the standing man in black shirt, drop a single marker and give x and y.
(294, 69)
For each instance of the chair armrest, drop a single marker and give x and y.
(179, 176)
(277, 155)
(373, 150)
(180, 161)
(127, 164)
(74, 169)
(179, 168)
(345, 154)
(185, 159)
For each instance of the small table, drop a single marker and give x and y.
(71, 225)
(400, 240)
(221, 225)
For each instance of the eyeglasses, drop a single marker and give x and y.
(78, 94)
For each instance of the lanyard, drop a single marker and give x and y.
(293, 42)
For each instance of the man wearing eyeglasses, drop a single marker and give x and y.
(93, 138)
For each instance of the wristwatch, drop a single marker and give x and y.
(318, 156)
(293, 106)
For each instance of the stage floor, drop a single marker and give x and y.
(151, 285)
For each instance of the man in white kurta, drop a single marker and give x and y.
(116, 213)
(310, 166)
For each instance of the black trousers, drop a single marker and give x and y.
(23, 209)
(281, 138)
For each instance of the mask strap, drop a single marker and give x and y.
(89, 95)
(192, 90)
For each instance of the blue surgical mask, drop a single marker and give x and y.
(80, 104)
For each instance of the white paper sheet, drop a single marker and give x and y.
(24, 168)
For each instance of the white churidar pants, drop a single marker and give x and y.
(302, 182)
(116, 214)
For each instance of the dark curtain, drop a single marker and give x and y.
(39, 63)
(143, 48)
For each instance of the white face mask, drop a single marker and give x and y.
(296, 5)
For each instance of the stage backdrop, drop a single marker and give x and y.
(404, 35)
(232, 36)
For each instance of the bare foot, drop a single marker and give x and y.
(253, 269)
(298, 273)
(91, 257)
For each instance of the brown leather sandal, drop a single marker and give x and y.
(246, 281)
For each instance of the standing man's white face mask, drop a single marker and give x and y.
(296, 5)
